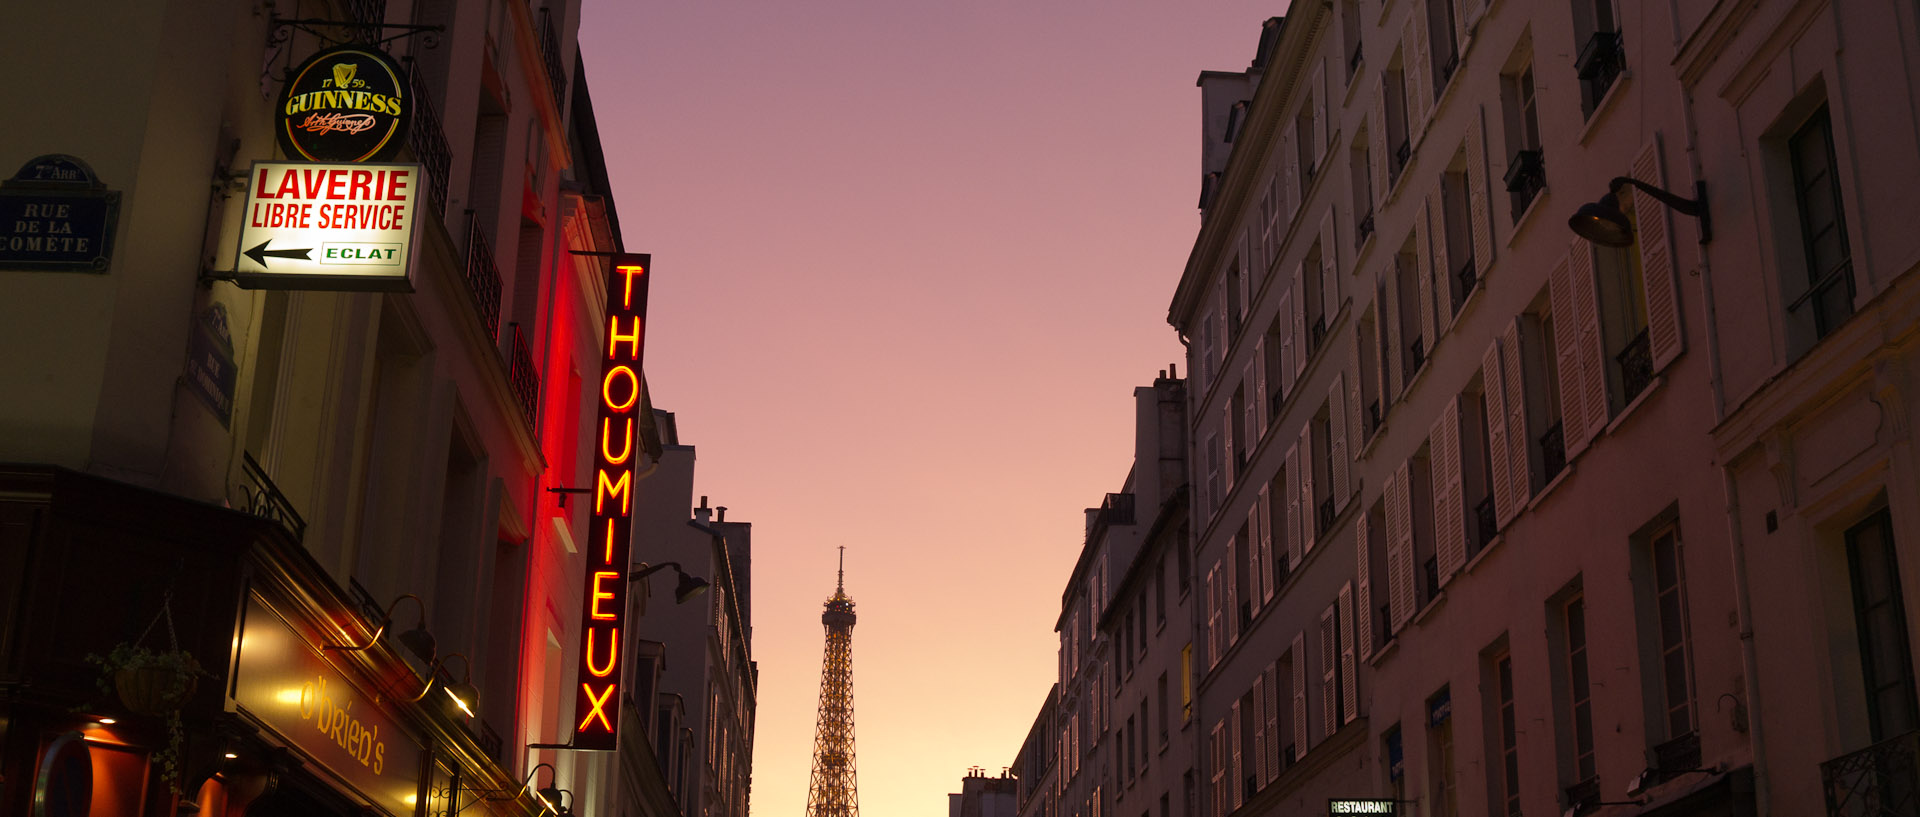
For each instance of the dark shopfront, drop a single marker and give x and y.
(276, 726)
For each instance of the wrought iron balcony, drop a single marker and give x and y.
(550, 54)
(429, 143)
(1246, 615)
(1323, 519)
(1317, 335)
(525, 379)
(367, 16)
(260, 497)
(1878, 781)
(1636, 367)
(1364, 229)
(1553, 452)
(1383, 617)
(1601, 60)
(1416, 356)
(1677, 755)
(1276, 401)
(1402, 154)
(1430, 574)
(1486, 523)
(1373, 418)
(1447, 68)
(1281, 571)
(1526, 177)
(1354, 59)
(483, 277)
(1583, 797)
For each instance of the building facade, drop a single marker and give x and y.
(983, 796)
(1485, 498)
(282, 482)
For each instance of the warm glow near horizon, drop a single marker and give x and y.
(911, 259)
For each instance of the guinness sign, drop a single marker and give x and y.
(345, 104)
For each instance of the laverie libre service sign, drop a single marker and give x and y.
(328, 226)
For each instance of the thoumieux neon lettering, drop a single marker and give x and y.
(599, 708)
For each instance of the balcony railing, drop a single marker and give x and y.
(1485, 522)
(1878, 781)
(1384, 618)
(1354, 59)
(525, 380)
(1282, 571)
(1402, 154)
(483, 278)
(1553, 452)
(1416, 356)
(1317, 335)
(1636, 367)
(1363, 230)
(1430, 574)
(1583, 797)
(260, 497)
(1678, 755)
(1600, 62)
(366, 17)
(429, 143)
(1324, 518)
(1276, 401)
(1526, 177)
(1373, 419)
(550, 54)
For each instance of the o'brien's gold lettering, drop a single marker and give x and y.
(336, 723)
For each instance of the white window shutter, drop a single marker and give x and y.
(1415, 65)
(1337, 435)
(1299, 695)
(1424, 280)
(1592, 345)
(1230, 590)
(1392, 340)
(1400, 549)
(1566, 343)
(1449, 514)
(1274, 739)
(1261, 519)
(1233, 748)
(1666, 337)
(1295, 532)
(1479, 207)
(1329, 672)
(1519, 465)
(1310, 510)
(1349, 677)
(1363, 586)
(1494, 391)
(1439, 267)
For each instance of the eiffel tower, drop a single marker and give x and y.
(833, 791)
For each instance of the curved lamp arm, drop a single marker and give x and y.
(417, 639)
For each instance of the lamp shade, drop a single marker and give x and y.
(465, 695)
(688, 587)
(1602, 223)
(419, 642)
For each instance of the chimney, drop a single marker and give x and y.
(720, 513)
(702, 513)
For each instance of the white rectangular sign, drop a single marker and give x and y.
(312, 225)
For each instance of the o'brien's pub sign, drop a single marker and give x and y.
(616, 439)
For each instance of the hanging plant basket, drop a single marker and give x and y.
(154, 690)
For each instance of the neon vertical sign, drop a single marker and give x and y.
(616, 436)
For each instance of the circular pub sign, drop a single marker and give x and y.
(345, 104)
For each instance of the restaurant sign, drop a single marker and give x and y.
(284, 682)
(345, 104)
(328, 226)
(56, 215)
(604, 597)
(1352, 806)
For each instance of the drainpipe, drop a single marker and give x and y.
(1742, 597)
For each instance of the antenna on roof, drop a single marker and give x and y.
(841, 584)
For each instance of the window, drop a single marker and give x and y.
(1186, 683)
(1289, 674)
(1182, 559)
(1249, 743)
(1243, 442)
(1601, 55)
(1270, 227)
(1503, 748)
(1623, 315)
(1399, 140)
(1411, 295)
(1879, 615)
(1286, 533)
(1440, 755)
(1279, 356)
(1141, 737)
(1666, 650)
(1576, 713)
(1533, 403)
(1213, 495)
(1309, 147)
(1162, 688)
(1361, 164)
(1217, 743)
(1426, 560)
(1375, 623)
(1320, 493)
(1823, 225)
(1368, 370)
(1312, 288)
(1160, 590)
(1236, 305)
(1456, 235)
(1445, 47)
(1476, 464)
(1350, 36)
(1526, 166)
(1396, 763)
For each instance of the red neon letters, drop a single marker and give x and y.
(605, 590)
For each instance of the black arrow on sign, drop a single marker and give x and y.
(259, 254)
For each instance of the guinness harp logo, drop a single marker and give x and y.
(345, 104)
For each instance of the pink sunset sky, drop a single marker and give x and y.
(911, 259)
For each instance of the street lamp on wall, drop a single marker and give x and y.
(1603, 223)
(687, 588)
(465, 695)
(417, 640)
